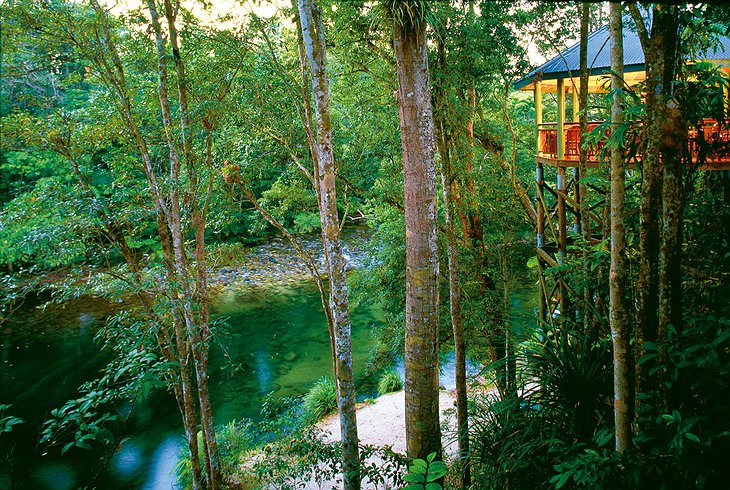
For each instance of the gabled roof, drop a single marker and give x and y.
(567, 63)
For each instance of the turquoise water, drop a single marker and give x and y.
(275, 342)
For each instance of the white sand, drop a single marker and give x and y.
(382, 423)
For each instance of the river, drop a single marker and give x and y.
(275, 343)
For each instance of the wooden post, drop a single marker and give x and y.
(562, 236)
(562, 241)
(540, 206)
(540, 201)
(538, 113)
(561, 119)
(540, 236)
(577, 197)
(576, 173)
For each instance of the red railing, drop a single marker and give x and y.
(547, 144)
(710, 141)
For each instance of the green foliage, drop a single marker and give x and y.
(281, 410)
(685, 432)
(305, 457)
(321, 399)
(281, 451)
(521, 437)
(48, 226)
(389, 382)
(423, 474)
(7, 422)
(590, 468)
(701, 93)
(575, 373)
(382, 280)
(292, 204)
(406, 13)
(90, 418)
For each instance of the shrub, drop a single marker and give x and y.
(321, 399)
(234, 439)
(389, 382)
(423, 474)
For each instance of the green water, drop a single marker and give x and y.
(275, 342)
(282, 347)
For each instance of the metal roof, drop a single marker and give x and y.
(567, 63)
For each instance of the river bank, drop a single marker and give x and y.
(381, 422)
(279, 263)
(230, 266)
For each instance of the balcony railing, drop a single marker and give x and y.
(547, 143)
(708, 143)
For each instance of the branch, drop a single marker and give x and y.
(640, 26)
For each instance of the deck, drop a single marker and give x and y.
(709, 145)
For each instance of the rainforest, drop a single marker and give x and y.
(388, 244)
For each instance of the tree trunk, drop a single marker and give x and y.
(196, 325)
(457, 326)
(189, 309)
(670, 252)
(305, 116)
(314, 42)
(582, 191)
(675, 158)
(620, 331)
(660, 55)
(423, 433)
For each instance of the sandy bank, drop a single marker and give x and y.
(382, 423)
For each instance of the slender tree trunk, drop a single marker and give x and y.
(314, 42)
(675, 159)
(582, 194)
(305, 116)
(196, 325)
(519, 191)
(423, 433)
(620, 326)
(186, 404)
(186, 399)
(457, 325)
(511, 367)
(309, 262)
(647, 300)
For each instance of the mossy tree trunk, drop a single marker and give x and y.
(658, 287)
(423, 433)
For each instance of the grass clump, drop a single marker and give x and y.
(321, 399)
(389, 382)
